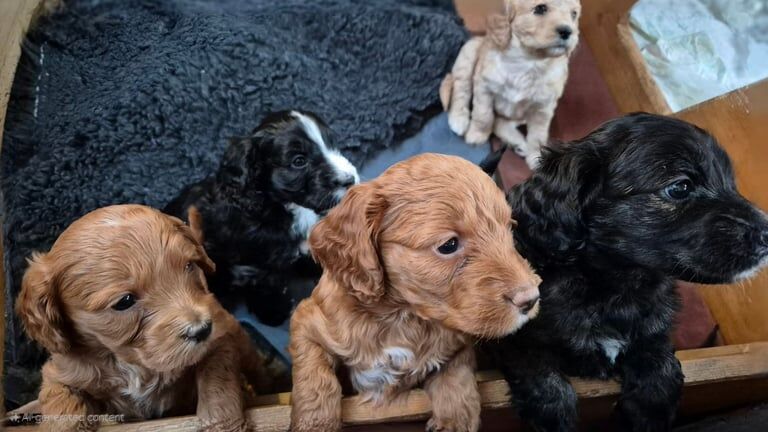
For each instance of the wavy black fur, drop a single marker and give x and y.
(250, 229)
(605, 224)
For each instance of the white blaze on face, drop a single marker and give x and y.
(342, 167)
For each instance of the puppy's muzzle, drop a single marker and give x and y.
(199, 332)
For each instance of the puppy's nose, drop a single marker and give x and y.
(526, 300)
(347, 181)
(199, 332)
(565, 32)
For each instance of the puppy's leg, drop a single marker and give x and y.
(538, 134)
(508, 133)
(68, 410)
(481, 125)
(652, 381)
(316, 396)
(219, 392)
(455, 397)
(541, 393)
(461, 92)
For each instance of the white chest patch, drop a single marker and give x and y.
(611, 347)
(385, 371)
(142, 390)
(303, 219)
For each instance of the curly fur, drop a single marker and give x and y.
(513, 76)
(598, 221)
(393, 308)
(255, 213)
(173, 350)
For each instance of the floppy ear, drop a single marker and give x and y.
(499, 29)
(550, 206)
(38, 306)
(237, 163)
(345, 242)
(194, 232)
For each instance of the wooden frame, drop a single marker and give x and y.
(709, 373)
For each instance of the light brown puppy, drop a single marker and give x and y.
(122, 305)
(416, 263)
(514, 75)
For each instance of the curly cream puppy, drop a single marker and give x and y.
(514, 75)
(416, 263)
(122, 305)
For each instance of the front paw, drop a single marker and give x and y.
(475, 136)
(533, 159)
(459, 122)
(451, 425)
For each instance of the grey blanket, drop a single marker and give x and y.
(122, 101)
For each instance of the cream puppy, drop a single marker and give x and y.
(514, 75)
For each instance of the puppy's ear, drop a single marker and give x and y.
(39, 308)
(499, 29)
(345, 242)
(195, 220)
(194, 233)
(236, 164)
(550, 206)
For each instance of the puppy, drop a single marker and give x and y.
(609, 222)
(514, 75)
(122, 305)
(258, 208)
(414, 268)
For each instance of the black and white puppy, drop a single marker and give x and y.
(259, 207)
(609, 222)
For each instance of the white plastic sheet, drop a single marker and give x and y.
(699, 49)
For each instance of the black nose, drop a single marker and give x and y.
(527, 306)
(565, 32)
(199, 332)
(347, 181)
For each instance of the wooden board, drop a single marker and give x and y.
(702, 368)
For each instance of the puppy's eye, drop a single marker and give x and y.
(449, 247)
(540, 9)
(299, 162)
(189, 266)
(125, 302)
(574, 14)
(679, 190)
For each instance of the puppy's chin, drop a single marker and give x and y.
(749, 273)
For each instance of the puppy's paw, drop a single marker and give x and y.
(475, 136)
(450, 425)
(533, 159)
(459, 122)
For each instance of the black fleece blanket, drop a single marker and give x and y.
(119, 101)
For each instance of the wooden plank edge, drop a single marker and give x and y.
(701, 367)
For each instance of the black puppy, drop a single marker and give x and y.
(258, 208)
(609, 222)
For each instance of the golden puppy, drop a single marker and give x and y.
(416, 263)
(514, 75)
(122, 305)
